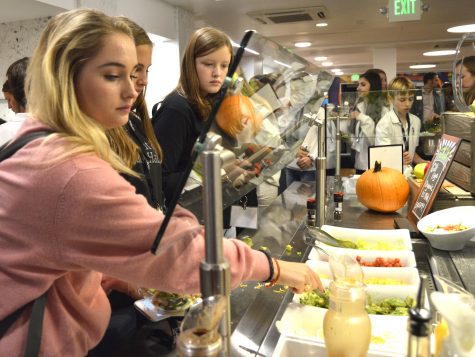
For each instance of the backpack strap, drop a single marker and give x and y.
(33, 340)
(8, 149)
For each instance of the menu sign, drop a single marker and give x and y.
(434, 177)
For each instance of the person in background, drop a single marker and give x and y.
(448, 93)
(14, 92)
(303, 167)
(399, 126)
(181, 116)
(382, 76)
(432, 102)
(467, 76)
(67, 216)
(136, 141)
(370, 107)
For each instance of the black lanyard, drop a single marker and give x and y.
(405, 139)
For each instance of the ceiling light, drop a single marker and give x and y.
(422, 66)
(302, 44)
(320, 58)
(440, 53)
(338, 73)
(462, 29)
(327, 64)
(335, 70)
(322, 24)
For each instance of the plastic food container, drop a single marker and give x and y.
(373, 239)
(406, 257)
(301, 329)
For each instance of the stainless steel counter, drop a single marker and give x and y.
(255, 311)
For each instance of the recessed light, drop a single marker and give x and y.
(302, 44)
(327, 64)
(462, 28)
(321, 24)
(335, 70)
(422, 66)
(339, 74)
(440, 53)
(320, 58)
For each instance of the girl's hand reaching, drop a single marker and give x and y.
(298, 276)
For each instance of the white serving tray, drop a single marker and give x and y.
(301, 329)
(396, 236)
(407, 257)
(410, 276)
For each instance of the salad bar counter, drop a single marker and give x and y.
(275, 322)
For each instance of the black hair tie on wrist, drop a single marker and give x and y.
(271, 265)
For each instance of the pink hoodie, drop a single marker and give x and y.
(63, 224)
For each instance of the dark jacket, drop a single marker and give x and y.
(177, 126)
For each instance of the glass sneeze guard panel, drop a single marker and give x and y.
(270, 106)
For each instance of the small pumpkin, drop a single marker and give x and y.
(235, 113)
(382, 189)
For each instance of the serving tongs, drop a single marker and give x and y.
(314, 235)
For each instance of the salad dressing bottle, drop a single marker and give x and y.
(346, 325)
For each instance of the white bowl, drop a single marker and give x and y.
(449, 240)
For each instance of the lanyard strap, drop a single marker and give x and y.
(405, 139)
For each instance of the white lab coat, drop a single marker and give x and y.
(364, 136)
(388, 131)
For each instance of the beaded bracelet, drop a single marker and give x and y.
(274, 281)
(271, 265)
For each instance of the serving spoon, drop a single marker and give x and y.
(314, 234)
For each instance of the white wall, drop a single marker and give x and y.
(154, 16)
(165, 70)
(17, 39)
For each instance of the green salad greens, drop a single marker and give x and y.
(389, 306)
(316, 298)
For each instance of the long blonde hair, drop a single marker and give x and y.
(202, 42)
(69, 40)
(120, 141)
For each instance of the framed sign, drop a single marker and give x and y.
(434, 177)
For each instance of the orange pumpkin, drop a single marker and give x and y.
(234, 111)
(382, 189)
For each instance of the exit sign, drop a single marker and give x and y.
(404, 10)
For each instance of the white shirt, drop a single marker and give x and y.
(310, 143)
(10, 128)
(388, 131)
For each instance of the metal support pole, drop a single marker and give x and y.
(338, 146)
(337, 185)
(320, 177)
(215, 276)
